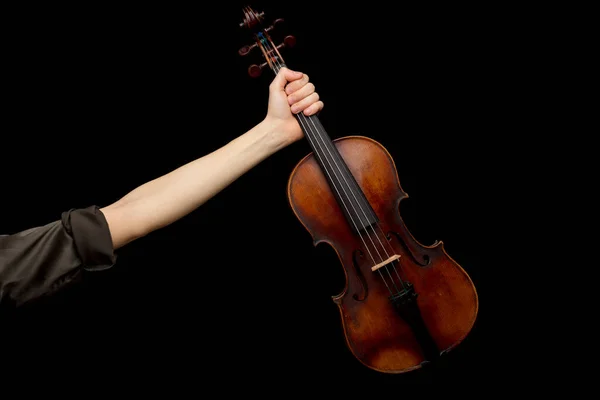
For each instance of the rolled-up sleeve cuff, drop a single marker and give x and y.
(91, 235)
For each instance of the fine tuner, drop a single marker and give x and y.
(263, 41)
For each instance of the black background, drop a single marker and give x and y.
(99, 100)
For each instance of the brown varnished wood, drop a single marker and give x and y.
(374, 332)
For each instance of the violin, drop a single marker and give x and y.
(404, 304)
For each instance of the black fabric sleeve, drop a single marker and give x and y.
(42, 260)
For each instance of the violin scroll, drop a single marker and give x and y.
(262, 40)
(251, 18)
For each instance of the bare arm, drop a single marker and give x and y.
(168, 198)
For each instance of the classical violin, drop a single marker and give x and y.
(404, 304)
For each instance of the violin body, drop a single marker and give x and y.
(375, 333)
(404, 304)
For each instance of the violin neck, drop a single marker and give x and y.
(350, 197)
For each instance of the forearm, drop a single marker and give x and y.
(166, 199)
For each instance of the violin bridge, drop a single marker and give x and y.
(384, 263)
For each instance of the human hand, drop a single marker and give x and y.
(290, 93)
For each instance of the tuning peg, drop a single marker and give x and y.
(255, 70)
(246, 49)
(275, 23)
(289, 41)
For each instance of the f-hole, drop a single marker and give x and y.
(422, 261)
(358, 258)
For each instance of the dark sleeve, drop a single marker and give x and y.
(40, 261)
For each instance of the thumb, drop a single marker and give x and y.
(284, 76)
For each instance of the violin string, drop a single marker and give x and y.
(387, 255)
(307, 128)
(362, 210)
(277, 66)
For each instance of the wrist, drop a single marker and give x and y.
(273, 132)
